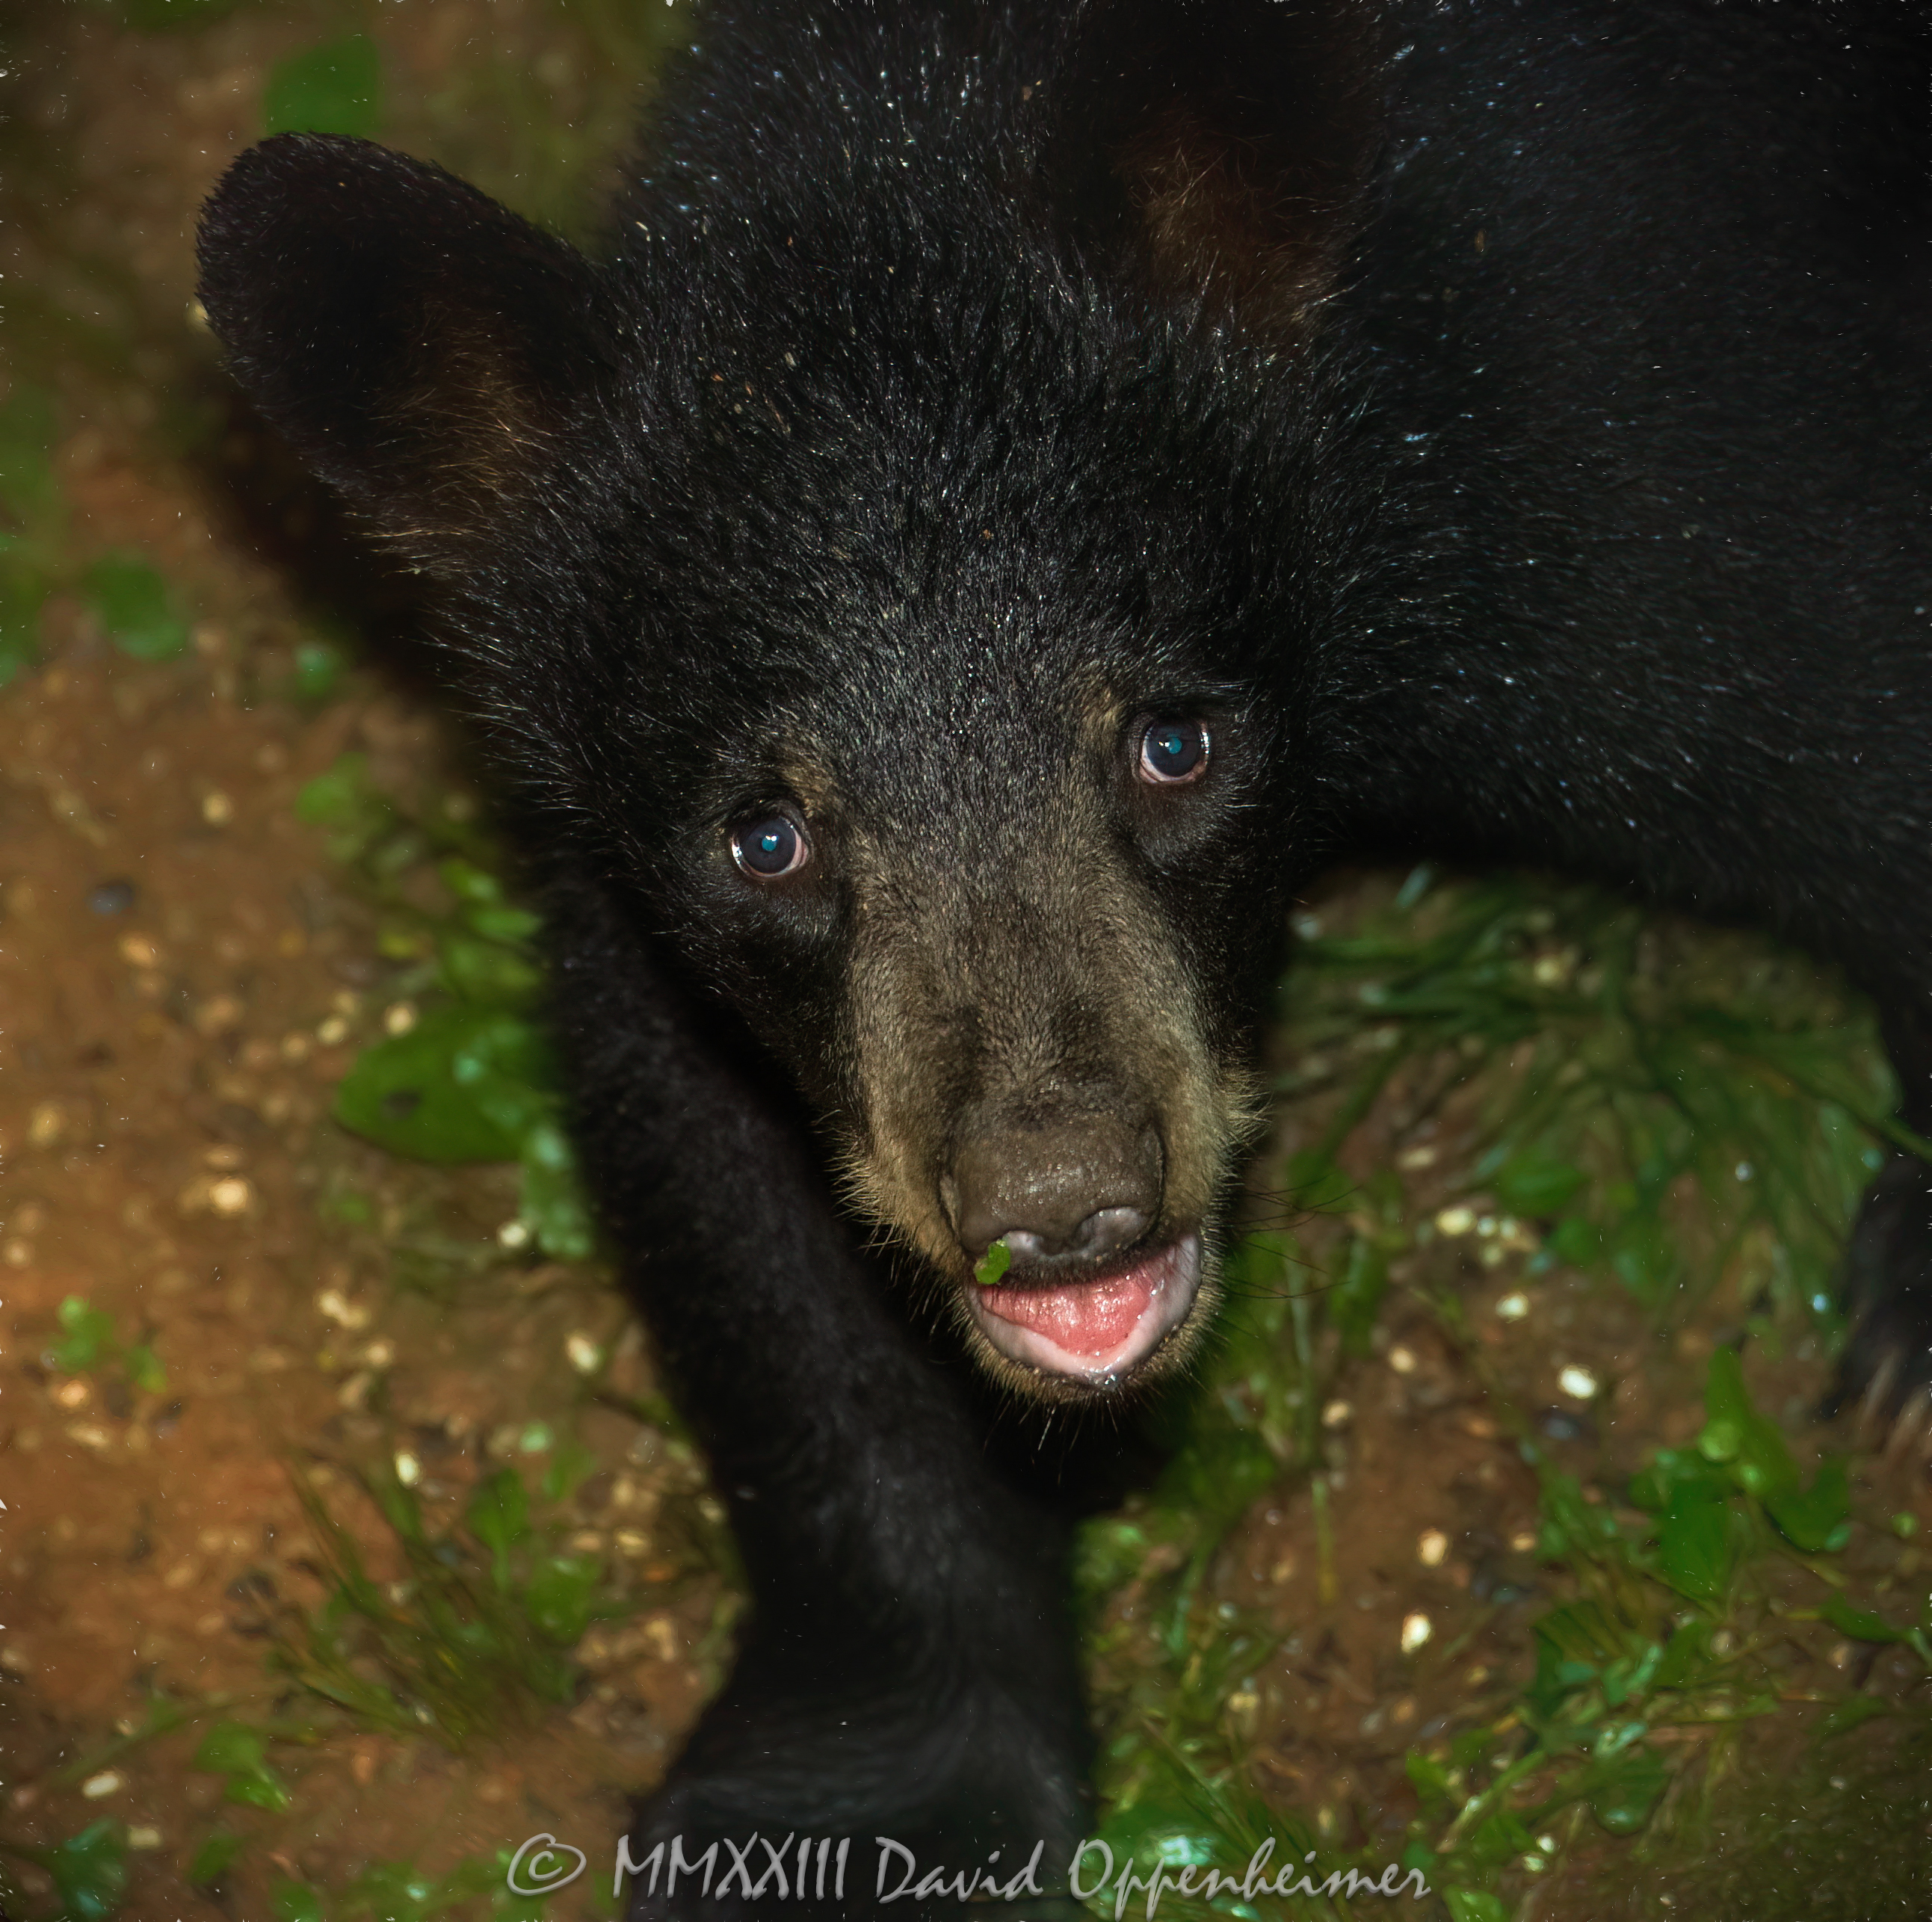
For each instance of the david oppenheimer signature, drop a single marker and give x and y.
(809, 1868)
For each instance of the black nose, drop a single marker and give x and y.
(1075, 1191)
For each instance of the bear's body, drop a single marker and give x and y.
(1025, 485)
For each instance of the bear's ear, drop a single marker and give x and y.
(1220, 149)
(419, 345)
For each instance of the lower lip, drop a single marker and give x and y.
(1098, 1329)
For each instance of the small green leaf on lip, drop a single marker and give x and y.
(994, 1262)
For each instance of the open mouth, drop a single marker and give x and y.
(1094, 1329)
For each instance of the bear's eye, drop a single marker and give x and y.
(1173, 751)
(770, 846)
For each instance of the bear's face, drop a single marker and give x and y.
(968, 813)
(890, 668)
(976, 871)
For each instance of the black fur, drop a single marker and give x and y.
(1506, 424)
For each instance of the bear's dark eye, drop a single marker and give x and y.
(1172, 751)
(768, 847)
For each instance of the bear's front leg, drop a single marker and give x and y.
(1886, 1372)
(908, 1669)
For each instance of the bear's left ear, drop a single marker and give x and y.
(418, 344)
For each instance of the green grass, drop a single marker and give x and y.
(472, 1640)
(475, 1633)
(90, 1874)
(89, 1871)
(1664, 1107)
(1623, 1057)
(471, 1078)
(87, 1342)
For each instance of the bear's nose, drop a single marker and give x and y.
(1074, 1192)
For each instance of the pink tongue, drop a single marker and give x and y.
(1083, 1319)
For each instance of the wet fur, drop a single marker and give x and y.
(1509, 425)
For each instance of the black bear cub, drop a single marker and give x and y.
(1021, 484)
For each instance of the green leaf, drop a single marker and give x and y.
(1624, 1789)
(89, 1339)
(336, 88)
(504, 1906)
(90, 1871)
(341, 800)
(1356, 1302)
(511, 925)
(1688, 1661)
(553, 1204)
(1576, 1242)
(296, 1901)
(487, 971)
(474, 887)
(213, 1859)
(401, 1506)
(1629, 1677)
(1576, 1644)
(1108, 1551)
(1536, 1182)
(463, 1084)
(1643, 1255)
(567, 1468)
(499, 1515)
(1852, 1713)
(1859, 1623)
(337, 795)
(1669, 1469)
(234, 1750)
(1727, 1405)
(472, 1877)
(994, 1263)
(1430, 1777)
(1474, 1906)
(259, 1788)
(1696, 1549)
(144, 1367)
(319, 666)
(132, 603)
(393, 1892)
(1735, 1433)
(558, 1598)
(1155, 1829)
(1764, 1466)
(1818, 1520)
(1569, 1525)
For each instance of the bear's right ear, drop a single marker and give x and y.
(1220, 151)
(418, 344)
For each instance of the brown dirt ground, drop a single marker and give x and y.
(163, 1126)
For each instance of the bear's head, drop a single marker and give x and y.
(897, 562)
